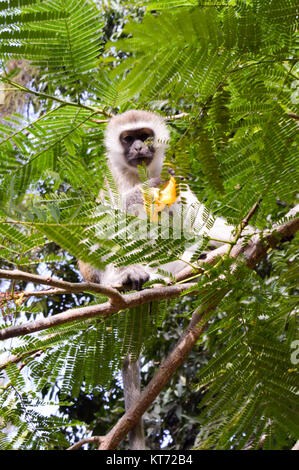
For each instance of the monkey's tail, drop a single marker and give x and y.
(131, 382)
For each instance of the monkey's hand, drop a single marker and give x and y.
(135, 197)
(132, 278)
(155, 182)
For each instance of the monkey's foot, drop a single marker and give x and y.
(133, 278)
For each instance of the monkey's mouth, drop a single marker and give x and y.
(139, 160)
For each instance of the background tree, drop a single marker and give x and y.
(228, 73)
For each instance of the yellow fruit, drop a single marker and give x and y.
(168, 194)
(161, 198)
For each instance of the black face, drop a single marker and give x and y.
(138, 146)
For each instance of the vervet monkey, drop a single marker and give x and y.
(131, 139)
(134, 138)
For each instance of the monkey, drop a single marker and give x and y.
(136, 138)
(131, 139)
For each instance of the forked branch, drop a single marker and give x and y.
(253, 252)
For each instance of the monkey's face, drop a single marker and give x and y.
(138, 146)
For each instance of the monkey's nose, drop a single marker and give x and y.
(138, 145)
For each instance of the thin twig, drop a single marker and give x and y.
(13, 359)
(39, 293)
(252, 211)
(54, 98)
(67, 287)
(176, 116)
(100, 121)
(167, 118)
(173, 117)
(86, 440)
(293, 116)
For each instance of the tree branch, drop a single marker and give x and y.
(253, 252)
(105, 309)
(166, 370)
(86, 440)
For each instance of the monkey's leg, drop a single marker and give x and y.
(131, 381)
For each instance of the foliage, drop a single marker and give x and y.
(22, 417)
(231, 66)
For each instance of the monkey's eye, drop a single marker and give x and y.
(128, 139)
(144, 137)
